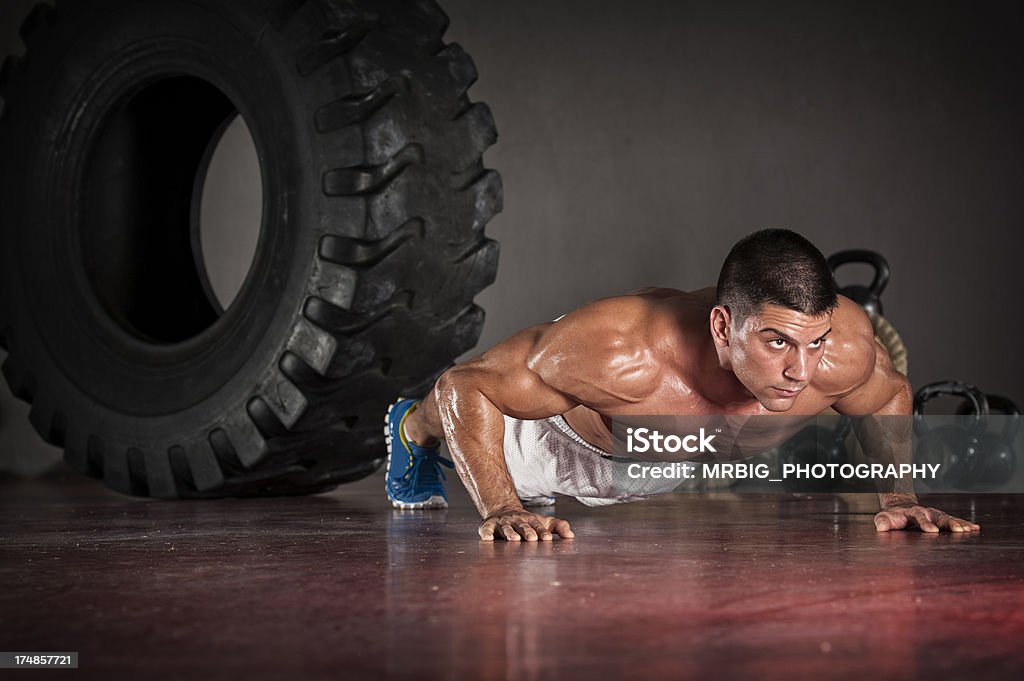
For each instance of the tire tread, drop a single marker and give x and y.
(401, 254)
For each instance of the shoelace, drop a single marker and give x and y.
(425, 469)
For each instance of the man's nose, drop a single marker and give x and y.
(799, 370)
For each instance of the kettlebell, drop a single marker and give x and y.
(816, 444)
(999, 459)
(956, 447)
(867, 296)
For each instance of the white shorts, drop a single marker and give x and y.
(547, 457)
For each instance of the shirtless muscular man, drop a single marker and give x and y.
(774, 337)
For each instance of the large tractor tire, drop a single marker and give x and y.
(370, 252)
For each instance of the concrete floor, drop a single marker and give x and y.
(340, 586)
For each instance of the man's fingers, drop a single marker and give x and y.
(927, 519)
(944, 521)
(934, 520)
(491, 529)
(542, 529)
(561, 528)
(527, 532)
(922, 518)
(517, 526)
(888, 520)
(487, 529)
(953, 523)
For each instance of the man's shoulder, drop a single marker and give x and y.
(616, 345)
(641, 317)
(657, 292)
(874, 383)
(851, 352)
(614, 324)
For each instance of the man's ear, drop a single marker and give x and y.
(720, 319)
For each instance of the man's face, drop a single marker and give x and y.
(775, 351)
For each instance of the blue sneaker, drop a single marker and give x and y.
(414, 477)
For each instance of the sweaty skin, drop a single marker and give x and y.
(664, 351)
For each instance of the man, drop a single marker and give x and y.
(774, 337)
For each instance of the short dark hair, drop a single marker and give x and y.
(780, 267)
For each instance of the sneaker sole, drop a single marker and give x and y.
(433, 502)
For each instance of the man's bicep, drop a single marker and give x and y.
(886, 391)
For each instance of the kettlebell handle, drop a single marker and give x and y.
(978, 400)
(842, 429)
(998, 404)
(872, 258)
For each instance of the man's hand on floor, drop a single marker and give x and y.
(520, 525)
(904, 516)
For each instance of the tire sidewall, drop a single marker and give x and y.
(82, 356)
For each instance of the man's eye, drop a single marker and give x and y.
(817, 343)
(780, 343)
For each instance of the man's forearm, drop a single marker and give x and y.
(888, 436)
(474, 430)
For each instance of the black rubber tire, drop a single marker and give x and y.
(372, 243)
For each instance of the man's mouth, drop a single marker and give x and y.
(787, 393)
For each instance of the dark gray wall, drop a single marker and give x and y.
(639, 140)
